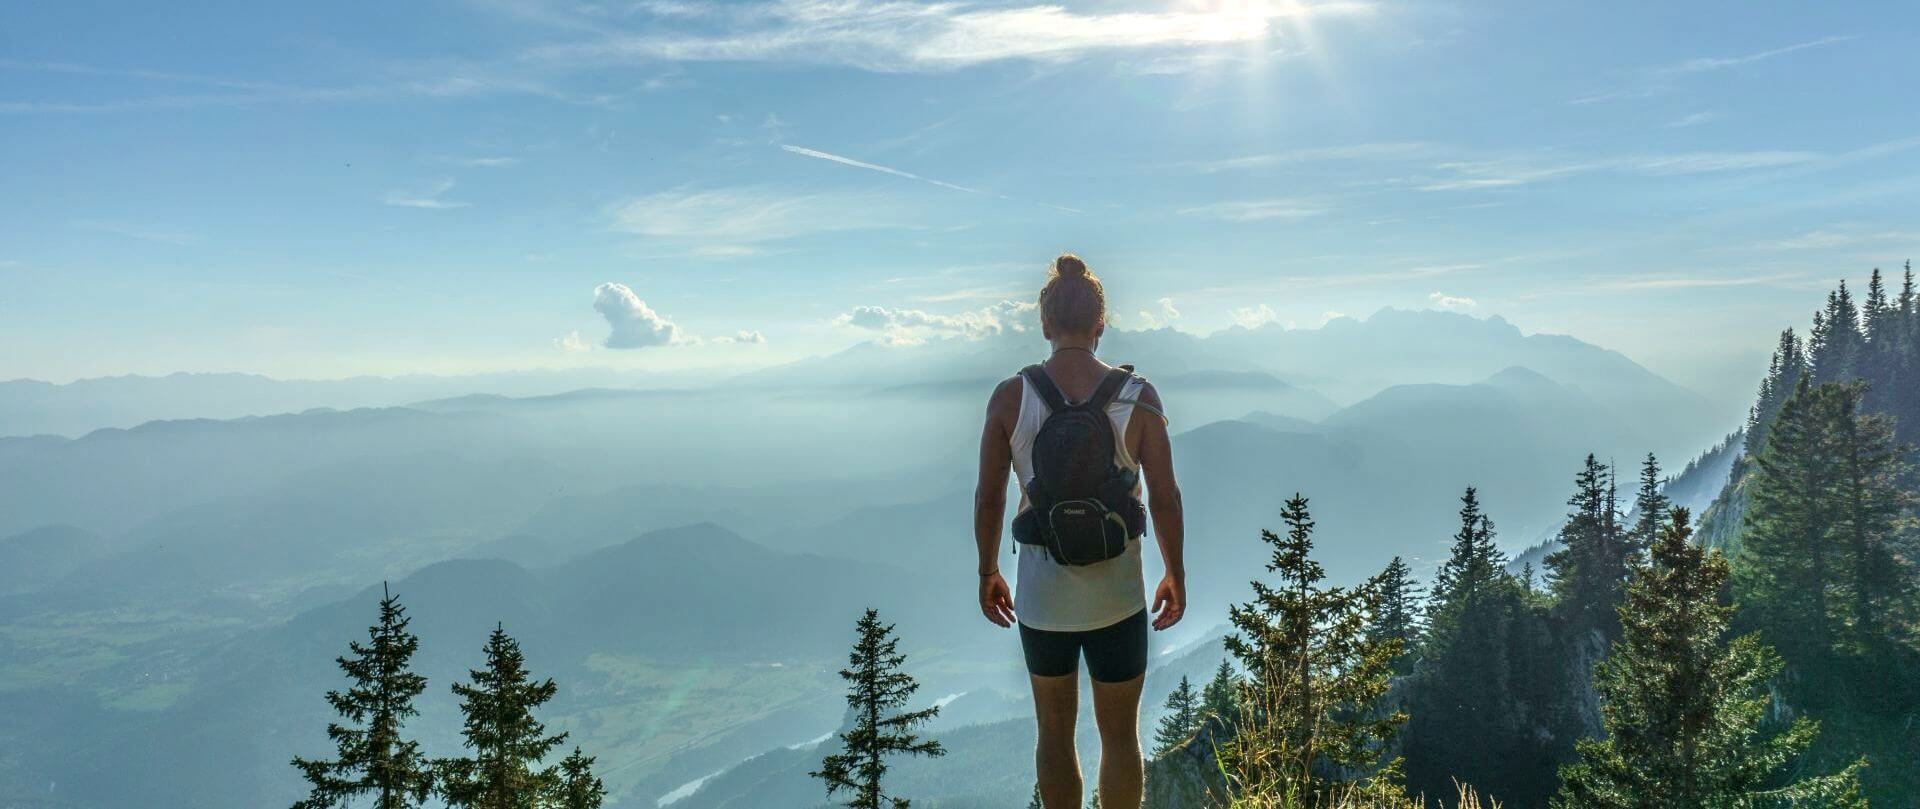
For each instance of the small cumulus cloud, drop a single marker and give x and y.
(572, 342)
(633, 323)
(1452, 303)
(742, 337)
(428, 199)
(1329, 316)
(913, 326)
(1163, 318)
(1253, 317)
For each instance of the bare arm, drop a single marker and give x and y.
(1164, 506)
(990, 500)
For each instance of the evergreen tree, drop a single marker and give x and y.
(1035, 803)
(1650, 506)
(1589, 570)
(1818, 571)
(1473, 569)
(876, 691)
(579, 787)
(1221, 696)
(1684, 708)
(1182, 718)
(1489, 673)
(1315, 678)
(1783, 375)
(1835, 347)
(372, 757)
(1398, 618)
(508, 744)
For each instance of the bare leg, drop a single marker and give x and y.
(1056, 702)
(1116, 710)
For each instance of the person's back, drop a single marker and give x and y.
(1078, 533)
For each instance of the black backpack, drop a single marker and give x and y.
(1083, 509)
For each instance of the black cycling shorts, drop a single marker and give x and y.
(1115, 653)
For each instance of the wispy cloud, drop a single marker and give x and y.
(1452, 303)
(143, 232)
(1694, 119)
(438, 78)
(489, 162)
(429, 198)
(1519, 171)
(1705, 64)
(748, 215)
(1257, 210)
(908, 36)
(1843, 237)
(1360, 152)
(1658, 80)
(860, 164)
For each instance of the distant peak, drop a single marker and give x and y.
(1515, 375)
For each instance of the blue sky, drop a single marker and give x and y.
(341, 188)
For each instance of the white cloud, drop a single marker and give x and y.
(1329, 316)
(1253, 317)
(906, 36)
(572, 342)
(1694, 119)
(495, 162)
(742, 337)
(737, 216)
(1257, 210)
(633, 323)
(848, 161)
(1452, 303)
(1705, 64)
(429, 199)
(912, 326)
(1163, 318)
(1362, 152)
(1467, 175)
(1658, 80)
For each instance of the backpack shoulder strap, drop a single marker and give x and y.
(1110, 386)
(1036, 376)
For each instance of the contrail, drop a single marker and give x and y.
(861, 164)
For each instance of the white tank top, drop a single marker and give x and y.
(1061, 598)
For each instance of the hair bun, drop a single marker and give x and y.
(1069, 265)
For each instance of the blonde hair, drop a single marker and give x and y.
(1073, 301)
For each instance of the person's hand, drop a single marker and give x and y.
(996, 601)
(1169, 601)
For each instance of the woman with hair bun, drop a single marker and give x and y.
(1082, 437)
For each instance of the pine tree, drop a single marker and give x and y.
(877, 690)
(1835, 347)
(1316, 679)
(1650, 506)
(1785, 558)
(373, 758)
(1473, 569)
(507, 743)
(1589, 570)
(1221, 696)
(579, 787)
(1035, 803)
(1398, 619)
(1783, 374)
(1684, 708)
(1182, 718)
(1816, 568)
(1489, 672)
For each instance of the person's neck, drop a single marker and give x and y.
(1085, 349)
